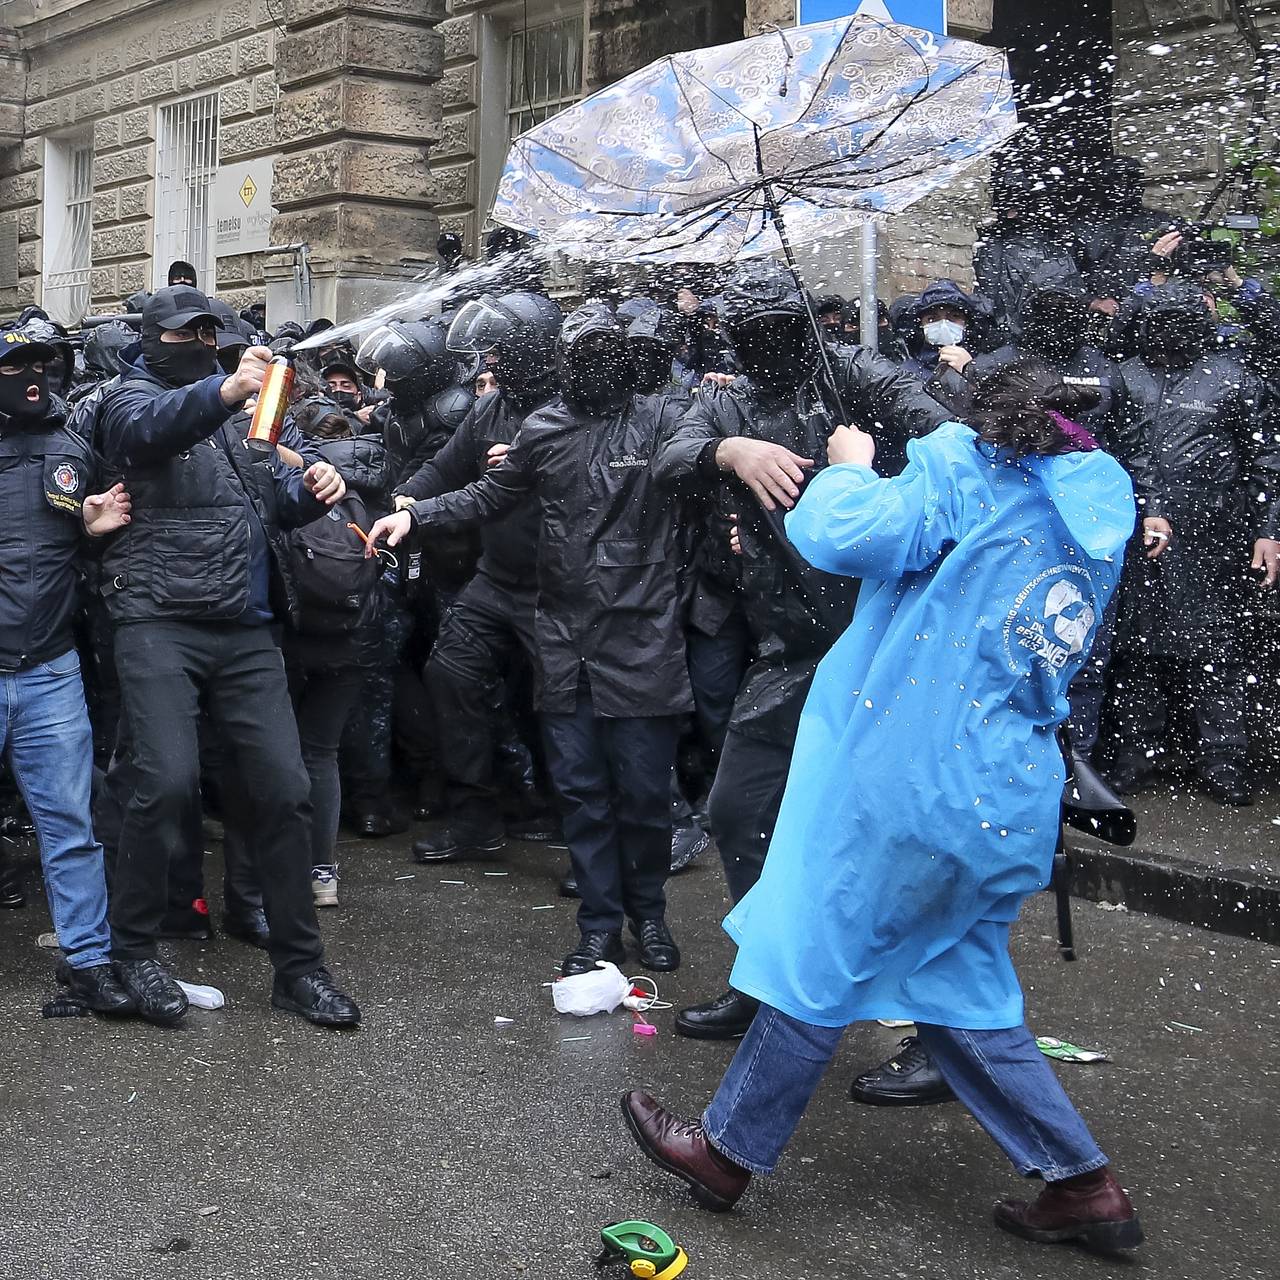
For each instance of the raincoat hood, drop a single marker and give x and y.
(593, 360)
(943, 293)
(1093, 495)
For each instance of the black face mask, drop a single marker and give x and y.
(599, 374)
(653, 366)
(778, 352)
(1055, 328)
(349, 400)
(1173, 340)
(15, 409)
(178, 363)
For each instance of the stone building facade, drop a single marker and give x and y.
(129, 127)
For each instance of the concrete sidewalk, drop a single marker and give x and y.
(1194, 861)
(437, 1145)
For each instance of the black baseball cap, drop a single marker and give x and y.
(18, 347)
(342, 364)
(177, 307)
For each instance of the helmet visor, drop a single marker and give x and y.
(479, 327)
(380, 350)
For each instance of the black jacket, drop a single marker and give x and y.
(1202, 437)
(1115, 252)
(795, 612)
(509, 543)
(607, 551)
(206, 511)
(45, 476)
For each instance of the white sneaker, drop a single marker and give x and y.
(324, 885)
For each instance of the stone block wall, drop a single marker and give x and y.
(108, 74)
(1182, 92)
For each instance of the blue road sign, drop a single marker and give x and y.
(928, 15)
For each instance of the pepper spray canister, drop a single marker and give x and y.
(273, 403)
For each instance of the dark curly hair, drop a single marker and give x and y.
(1011, 408)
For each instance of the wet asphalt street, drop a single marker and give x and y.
(434, 1143)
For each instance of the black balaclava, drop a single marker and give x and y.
(593, 359)
(178, 363)
(598, 372)
(652, 362)
(1054, 325)
(183, 273)
(17, 412)
(776, 350)
(1173, 339)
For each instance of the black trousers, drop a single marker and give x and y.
(165, 668)
(1088, 689)
(613, 781)
(485, 631)
(745, 800)
(240, 891)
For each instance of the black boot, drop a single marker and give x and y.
(658, 950)
(1226, 782)
(158, 997)
(909, 1079)
(315, 996)
(592, 947)
(98, 988)
(727, 1017)
(11, 895)
(465, 839)
(249, 926)
(569, 885)
(1132, 772)
(191, 922)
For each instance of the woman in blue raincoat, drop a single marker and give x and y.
(923, 801)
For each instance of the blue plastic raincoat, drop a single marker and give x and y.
(923, 800)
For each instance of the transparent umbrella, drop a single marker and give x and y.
(747, 148)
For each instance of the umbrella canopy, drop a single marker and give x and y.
(696, 157)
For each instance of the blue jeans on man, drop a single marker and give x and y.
(45, 734)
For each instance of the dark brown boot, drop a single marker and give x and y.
(681, 1147)
(1091, 1208)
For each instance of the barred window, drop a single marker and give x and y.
(186, 168)
(545, 72)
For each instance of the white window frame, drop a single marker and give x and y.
(67, 256)
(186, 174)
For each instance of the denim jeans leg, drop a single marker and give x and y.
(50, 747)
(1009, 1087)
(767, 1088)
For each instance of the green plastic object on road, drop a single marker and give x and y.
(649, 1253)
(1065, 1051)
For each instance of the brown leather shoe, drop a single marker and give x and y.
(681, 1147)
(1091, 1208)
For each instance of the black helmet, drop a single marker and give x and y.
(655, 336)
(103, 346)
(519, 328)
(410, 352)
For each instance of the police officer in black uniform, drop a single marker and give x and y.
(755, 441)
(193, 584)
(490, 624)
(46, 474)
(613, 678)
(1205, 455)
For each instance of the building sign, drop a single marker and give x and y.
(242, 207)
(928, 15)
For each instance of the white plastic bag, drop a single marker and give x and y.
(600, 991)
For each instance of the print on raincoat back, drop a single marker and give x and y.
(923, 799)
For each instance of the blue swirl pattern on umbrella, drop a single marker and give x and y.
(703, 156)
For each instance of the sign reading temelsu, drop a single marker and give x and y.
(928, 15)
(242, 207)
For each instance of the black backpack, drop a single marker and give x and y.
(335, 583)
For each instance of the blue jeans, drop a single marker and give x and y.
(44, 731)
(1000, 1076)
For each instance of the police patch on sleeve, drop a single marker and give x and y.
(64, 484)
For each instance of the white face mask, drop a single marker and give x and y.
(943, 333)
